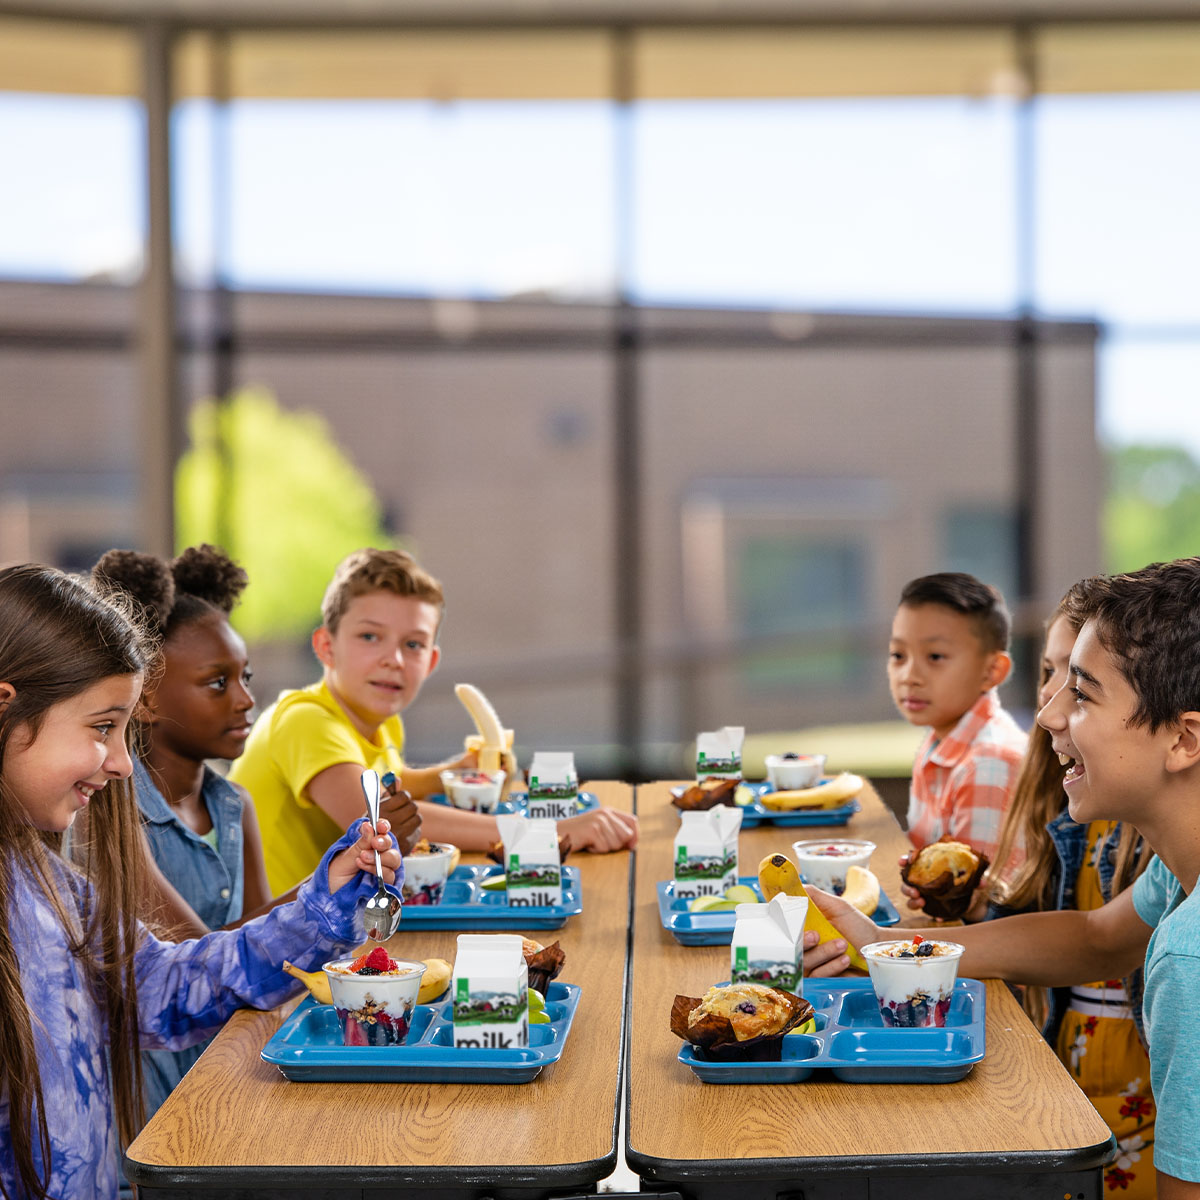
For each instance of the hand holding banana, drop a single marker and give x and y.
(492, 743)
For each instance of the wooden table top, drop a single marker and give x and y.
(1018, 1106)
(559, 1128)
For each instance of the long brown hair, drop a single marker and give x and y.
(58, 638)
(1038, 798)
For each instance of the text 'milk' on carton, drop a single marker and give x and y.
(490, 992)
(706, 851)
(719, 753)
(532, 867)
(553, 786)
(768, 943)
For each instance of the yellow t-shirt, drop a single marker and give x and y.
(302, 734)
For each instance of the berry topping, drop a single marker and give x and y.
(917, 939)
(360, 962)
(790, 756)
(375, 963)
(906, 954)
(925, 949)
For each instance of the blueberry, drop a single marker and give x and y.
(906, 954)
(790, 756)
(746, 1007)
(925, 949)
(369, 971)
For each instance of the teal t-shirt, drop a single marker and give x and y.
(1169, 1006)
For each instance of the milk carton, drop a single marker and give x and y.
(768, 943)
(719, 754)
(706, 852)
(533, 869)
(553, 786)
(490, 992)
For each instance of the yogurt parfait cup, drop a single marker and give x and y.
(473, 789)
(426, 872)
(913, 984)
(825, 863)
(374, 1009)
(788, 772)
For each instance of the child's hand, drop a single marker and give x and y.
(602, 830)
(830, 958)
(403, 816)
(824, 959)
(345, 866)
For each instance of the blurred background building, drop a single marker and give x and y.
(674, 341)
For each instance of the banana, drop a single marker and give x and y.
(777, 873)
(832, 792)
(316, 982)
(862, 889)
(433, 983)
(435, 980)
(492, 741)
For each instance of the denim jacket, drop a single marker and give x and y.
(1070, 844)
(209, 880)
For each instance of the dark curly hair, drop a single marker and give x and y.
(203, 579)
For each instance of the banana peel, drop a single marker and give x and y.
(829, 794)
(778, 874)
(433, 983)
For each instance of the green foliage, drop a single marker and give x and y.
(1153, 509)
(275, 490)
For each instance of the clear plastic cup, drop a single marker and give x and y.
(473, 789)
(425, 875)
(374, 1010)
(826, 862)
(789, 774)
(913, 988)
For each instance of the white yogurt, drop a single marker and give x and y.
(826, 862)
(789, 774)
(913, 988)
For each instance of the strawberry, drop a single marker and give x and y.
(360, 962)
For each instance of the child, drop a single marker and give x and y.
(1047, 861)
(1126, 728)
(377, 645)
(947, 655)
(82, 983)
(202, 830)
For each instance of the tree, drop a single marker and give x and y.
(1153, 509)
(277, 493)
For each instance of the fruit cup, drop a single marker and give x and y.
(425, 875)
(913, 981)
(825, 863)
(790, 771)
(473, 789)
(374, 1009)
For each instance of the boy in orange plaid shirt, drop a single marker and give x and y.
(947, 655)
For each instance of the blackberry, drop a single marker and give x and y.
(369, 971)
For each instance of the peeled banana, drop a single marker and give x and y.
(832, 792)
(493, 742)
(862, 889)
(433, 983)
(777, 873)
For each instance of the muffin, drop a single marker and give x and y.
(946, 874)
(738, 1020)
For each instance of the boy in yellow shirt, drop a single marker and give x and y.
(304, 759)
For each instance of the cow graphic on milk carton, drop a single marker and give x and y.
(553, 786)
(706, 852)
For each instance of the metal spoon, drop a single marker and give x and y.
(381, 914)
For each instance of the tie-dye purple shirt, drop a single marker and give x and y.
(186, 991)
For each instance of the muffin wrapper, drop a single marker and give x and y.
(698, 799)
(544, 965)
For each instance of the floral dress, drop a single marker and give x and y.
(1098, 1043)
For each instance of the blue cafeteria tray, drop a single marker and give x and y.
(516, 802)
(756, 813)
(307, 1047)
(466, 905)
(853, 1045)
(713, 929)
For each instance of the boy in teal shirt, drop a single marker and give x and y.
(1126, 727)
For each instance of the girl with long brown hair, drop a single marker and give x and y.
(83, 984)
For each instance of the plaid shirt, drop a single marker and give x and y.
(962, 784)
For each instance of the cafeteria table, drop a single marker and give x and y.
(237, 1127)
(1016, 1126)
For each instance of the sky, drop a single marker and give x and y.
(903, 205)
